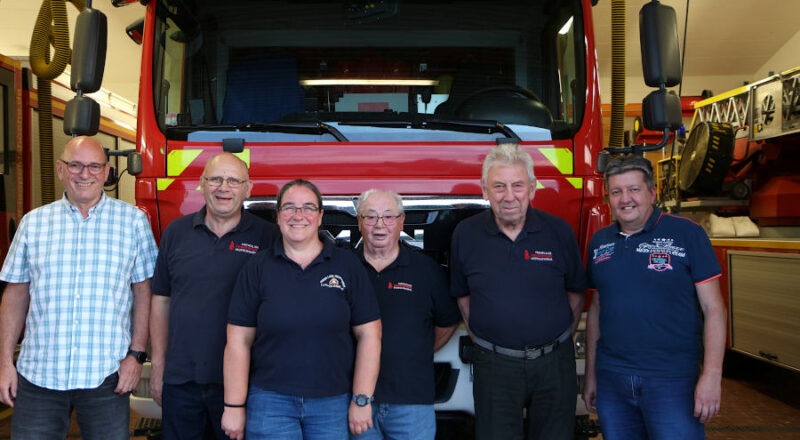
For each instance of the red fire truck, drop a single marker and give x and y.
(398, 94)
(405, 95)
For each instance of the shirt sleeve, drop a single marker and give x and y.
(361, 293)
(575, 276)
(15, 266)
(445, 308)
(161, 276)
(703, 260)
(246, 295)
(458, 281)
(145, 262)
(589, 263)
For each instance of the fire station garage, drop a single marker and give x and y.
(409, 96)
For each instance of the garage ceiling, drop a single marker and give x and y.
(731, 37)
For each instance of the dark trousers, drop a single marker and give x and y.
(546, 387)
(192, 411)
(43, 414)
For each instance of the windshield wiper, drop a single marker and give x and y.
(302, 127)
(460, 125)
(472, 126)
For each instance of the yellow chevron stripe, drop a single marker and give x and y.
(245, 156)
(576, 182)
(179, 160)
(163, 184)
(561, 158)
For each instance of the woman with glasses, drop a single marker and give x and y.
(303, 348)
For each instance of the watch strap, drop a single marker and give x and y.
(140, 356)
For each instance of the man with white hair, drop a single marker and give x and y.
(519, 280)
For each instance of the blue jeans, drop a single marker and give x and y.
(43, 414)
(634, 407)
(400, 422)
(192, 411)
(546, 387)
(277, 416)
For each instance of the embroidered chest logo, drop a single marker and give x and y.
(538, 255)
(333, 282)
(603, 253)
(243, 247)
(408, 287)
(659, 262)
(661, 251)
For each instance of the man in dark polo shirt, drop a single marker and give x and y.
(198, 260)
(418, 317)
(519, 280)
(656, 333)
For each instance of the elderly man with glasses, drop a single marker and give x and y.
(418, 314)
(199, 258)
(78, 274)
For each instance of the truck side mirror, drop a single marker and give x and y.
(82, 114)
(658, 37)
(661, 66)
(135, 31)
(89, 51)
(134, 163)
(661, 110)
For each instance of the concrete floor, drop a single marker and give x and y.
(759, 402)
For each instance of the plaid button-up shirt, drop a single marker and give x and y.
(80, 271)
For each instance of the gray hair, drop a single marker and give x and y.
(370, 192)
(632, 162)
(507, 154)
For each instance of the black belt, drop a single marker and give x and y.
(529, 353)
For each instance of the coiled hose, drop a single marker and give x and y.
(44, 34)
(616, 135)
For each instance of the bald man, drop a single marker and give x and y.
(78, 274)
(198, 260)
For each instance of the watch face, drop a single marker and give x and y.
(140, 356)
(361, 399)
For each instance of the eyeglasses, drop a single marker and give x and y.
(388, 220)
(76, 167)
(307, 209)
(216, 181)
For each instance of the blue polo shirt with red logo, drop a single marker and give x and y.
(650, 320)
(197, 270)
(414, 298)
(304, 344)
(517, 289)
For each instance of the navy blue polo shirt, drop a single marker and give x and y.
(413, 297)
(197, 270)
(650, 320)
(304, 344)
(517, 289)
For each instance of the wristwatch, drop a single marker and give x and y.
(140, 356)
(362, 399)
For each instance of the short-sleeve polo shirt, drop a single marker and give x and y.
(304, 344)
(197, 271)
(414, 298)
(517, 289)
(650, 321)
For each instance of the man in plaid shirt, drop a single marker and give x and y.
(80, 268)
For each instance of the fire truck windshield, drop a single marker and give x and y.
(370, 68)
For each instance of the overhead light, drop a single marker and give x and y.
(565, 29)
(368, 82)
